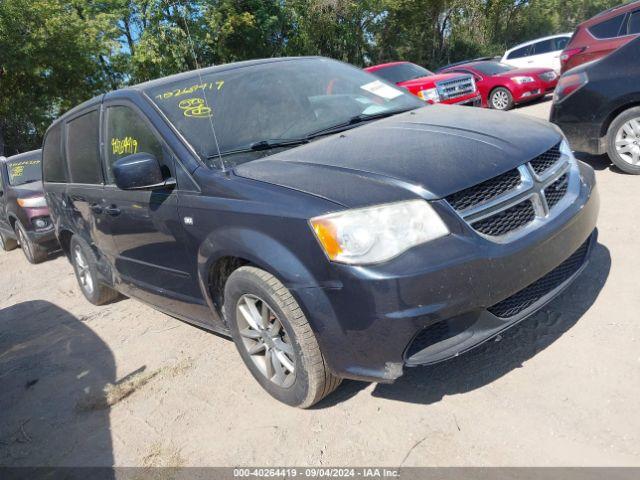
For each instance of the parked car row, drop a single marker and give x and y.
(335, 226)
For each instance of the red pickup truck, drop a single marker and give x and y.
(449, 88)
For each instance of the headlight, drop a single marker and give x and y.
(376, 234)
(521, 80)
(32, 202)
(429, 95)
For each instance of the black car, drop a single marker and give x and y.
(24, 215)
(332, 224)
(597, 105)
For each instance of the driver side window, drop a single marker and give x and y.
(128, 134)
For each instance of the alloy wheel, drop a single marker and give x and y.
(628, 142)
(84, 274)
(266, 340)
(500, 100)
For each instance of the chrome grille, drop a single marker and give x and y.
(548, 159)
(456, 87)
(556, 191)
(505, 206)
(506, 221)
(485, 191)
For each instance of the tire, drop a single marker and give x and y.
(292, 343)
(7, 244)
(84, 264)
(623, 141)
(501, 99)
(32, 251)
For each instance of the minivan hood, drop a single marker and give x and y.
(430, 153)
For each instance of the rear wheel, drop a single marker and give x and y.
(7, 244)
(623, 141)
(275, 339)
(32, 251)
(501, 99)
(85, 265)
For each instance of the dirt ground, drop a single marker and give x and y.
(125, 385)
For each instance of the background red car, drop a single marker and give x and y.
(445, 88)
(503, 86)
(601, 35)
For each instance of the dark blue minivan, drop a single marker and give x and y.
(331, 223)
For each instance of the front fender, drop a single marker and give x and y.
(259, 249)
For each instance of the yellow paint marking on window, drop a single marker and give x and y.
(179, 92)
(126, 145)
(195, 108)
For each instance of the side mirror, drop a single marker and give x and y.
(139, 172)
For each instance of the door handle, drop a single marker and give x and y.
(112, 210)
(96, 208)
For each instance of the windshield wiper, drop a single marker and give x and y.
(263, 145)
(269, 144)
(363, 117)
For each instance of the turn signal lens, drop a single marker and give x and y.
(377, 234)
(32, 202)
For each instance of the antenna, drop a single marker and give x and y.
(195, 59)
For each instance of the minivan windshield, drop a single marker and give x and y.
(24, 171)
(254, 108)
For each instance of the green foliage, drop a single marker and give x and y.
(54, 53)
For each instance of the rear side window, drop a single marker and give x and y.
(82, 149)
(634, 23)
(53, 163)
(127, 134)
(607, 29)
(561, 42)
(545, 46)
(519, 53)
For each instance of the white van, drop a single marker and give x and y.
(542, 52)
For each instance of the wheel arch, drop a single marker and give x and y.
(221, 254)
(609, 119)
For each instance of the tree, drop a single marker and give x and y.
(50, 60)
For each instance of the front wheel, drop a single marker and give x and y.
(623, 141)
(275, 339)
(32, 251)
(501, 99)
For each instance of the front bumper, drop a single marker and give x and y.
(46, 239)
(367, 320)
(472, 100)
